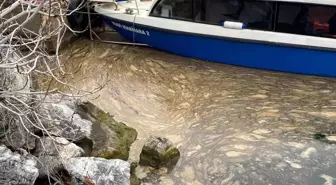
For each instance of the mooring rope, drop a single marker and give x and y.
(134, 28)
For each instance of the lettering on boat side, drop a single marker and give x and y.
(130, 28)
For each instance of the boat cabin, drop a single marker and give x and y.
(295, 36)
(304, 17)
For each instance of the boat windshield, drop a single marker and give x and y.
(286, 17)
(254, 14)
(305, 19)
(175, 9)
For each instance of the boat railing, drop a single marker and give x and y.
(136, 4)
(93, 33)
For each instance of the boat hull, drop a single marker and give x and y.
(235, 52)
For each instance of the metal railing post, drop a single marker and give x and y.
(136, 4)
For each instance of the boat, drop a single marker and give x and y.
(294, 36)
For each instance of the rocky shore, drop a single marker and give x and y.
(50, 138)
(79, 143)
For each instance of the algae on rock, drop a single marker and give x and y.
(112, 139)
(134, 179)
(159, 152)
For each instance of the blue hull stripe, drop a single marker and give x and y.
(255, 55)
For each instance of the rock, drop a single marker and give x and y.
(134, 180)
(13, 132)
(158, 152)
(63, 121)
(151, 177)
(16, 136)
(112, 139)
(51, 153)
(14, 81)
(133, 166)
(16, 169)
(88, 127)
(100, 171)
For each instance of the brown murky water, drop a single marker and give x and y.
(233, 125)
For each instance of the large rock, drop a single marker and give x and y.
(98, 170)
(61, 119)
(16, 131)
(16, 136)
(89, 127)
(66, 123)
(13, 80)
(52, 152)
(159, 152)
(112, 139)
(16, 169)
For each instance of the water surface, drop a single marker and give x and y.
(233, 125)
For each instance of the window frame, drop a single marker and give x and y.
(193, 20)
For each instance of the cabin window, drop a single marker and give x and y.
(176, 9)
(254, 14)
(306, 19)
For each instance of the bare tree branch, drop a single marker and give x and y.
(24, 57)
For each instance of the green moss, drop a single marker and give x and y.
(170, 158)
(134, 179)
(133, 165)
(167, 159)
(171, 153)
(116, 154)
(125, 135)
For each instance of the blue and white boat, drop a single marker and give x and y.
(296, 36)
